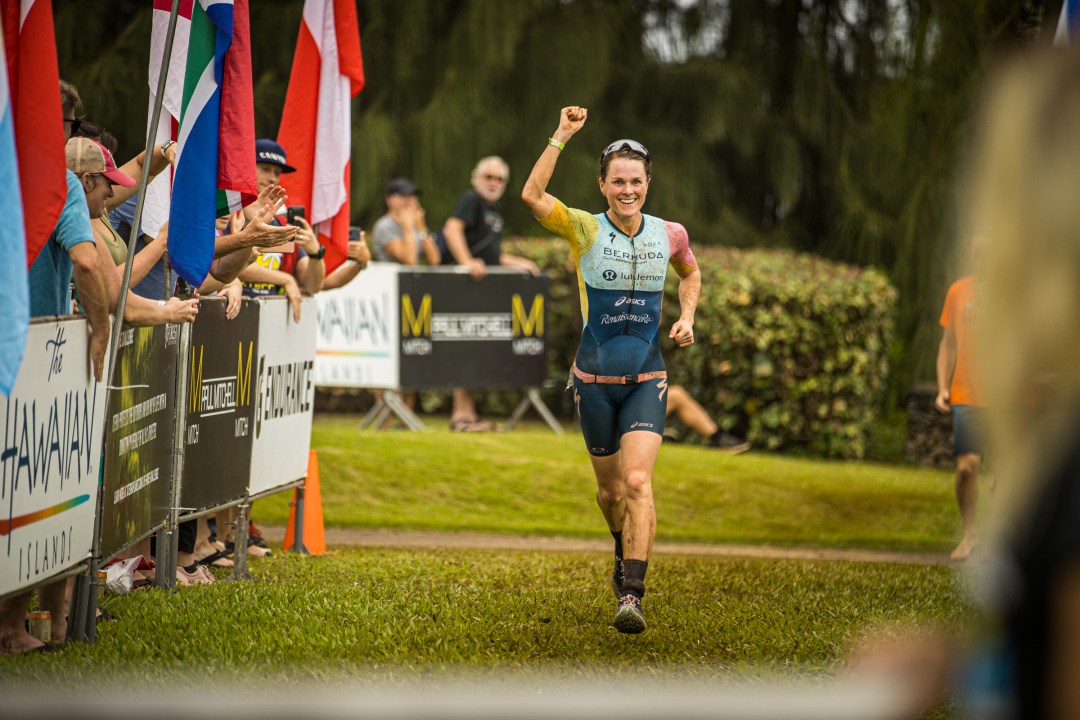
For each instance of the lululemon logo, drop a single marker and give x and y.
(609, 275)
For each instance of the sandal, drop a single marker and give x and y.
(471, 425)
(217, 559)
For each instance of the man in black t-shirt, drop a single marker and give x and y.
(473, 234)
(473, 231)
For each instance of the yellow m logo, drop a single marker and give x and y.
(243, 375)
(416, 324)
(195, 379)
(531, 323)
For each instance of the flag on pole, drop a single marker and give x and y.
(209, 98)
(30, 45)
(159, 191)
(237, 185)
(316, 123)
(1067, 22)
(14, 289)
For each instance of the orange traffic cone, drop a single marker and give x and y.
(309, 498)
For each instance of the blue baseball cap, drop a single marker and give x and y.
(268, 151)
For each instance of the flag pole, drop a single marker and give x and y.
(84, 616)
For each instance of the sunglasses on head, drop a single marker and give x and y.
(75, 124)
(626, 144)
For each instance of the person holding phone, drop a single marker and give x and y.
(289, 272)
(358, 257)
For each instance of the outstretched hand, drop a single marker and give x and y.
(571, 119)
(272, 196)
(262, 235)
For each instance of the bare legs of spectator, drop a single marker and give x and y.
(689, 412)
(408, 397)
(54, 598)
(206, 553)
(13, 636)
(226, 523)
(463, 415)
(967, 498)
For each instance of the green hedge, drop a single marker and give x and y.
(791, 351)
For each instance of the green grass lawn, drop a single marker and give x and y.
(392, 615)
(397, 616)
(531, 481)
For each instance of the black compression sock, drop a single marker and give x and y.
(618, 544)
(634, 577)
(714, 439)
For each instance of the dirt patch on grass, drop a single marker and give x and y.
(481, 541)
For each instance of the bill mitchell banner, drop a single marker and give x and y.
(327, 72)
(215, 139)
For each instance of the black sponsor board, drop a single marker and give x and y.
(460, 332)
(140, 431)
(221, 375)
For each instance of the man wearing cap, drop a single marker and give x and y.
(401, 235)
(278, 272)
(94, 165)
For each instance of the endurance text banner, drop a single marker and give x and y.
(284, 394)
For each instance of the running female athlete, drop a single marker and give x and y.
(619, 380)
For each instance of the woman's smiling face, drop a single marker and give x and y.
(625, 186)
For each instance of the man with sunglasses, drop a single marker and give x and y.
(473, 237)
(619, 380)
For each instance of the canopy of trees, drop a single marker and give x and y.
(836, 127)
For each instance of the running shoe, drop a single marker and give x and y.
(728, 443)
(629, 619)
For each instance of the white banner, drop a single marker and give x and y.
(359, 331)
(50, 456)
(285, 394)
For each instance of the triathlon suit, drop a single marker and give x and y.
(621, 283)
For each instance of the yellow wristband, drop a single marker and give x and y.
(556, 143)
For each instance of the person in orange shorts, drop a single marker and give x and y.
(958, 392)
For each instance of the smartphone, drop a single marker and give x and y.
(292, 212)
(354, 233)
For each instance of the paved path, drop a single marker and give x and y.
(473, 541)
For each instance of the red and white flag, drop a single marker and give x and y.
(34, 78)
(316, 124)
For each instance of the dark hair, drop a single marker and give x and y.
(626, 154)
(92, 130)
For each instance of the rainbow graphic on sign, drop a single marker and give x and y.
(7, 526)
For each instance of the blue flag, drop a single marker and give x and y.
(14, 280)
(1066, 28)
(194, 205)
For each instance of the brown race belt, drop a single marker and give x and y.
(617, 379)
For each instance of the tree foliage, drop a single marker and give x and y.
(834, 127)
